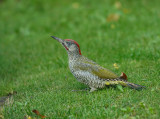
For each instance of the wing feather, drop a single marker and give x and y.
(92, 67)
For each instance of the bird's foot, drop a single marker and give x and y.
(92, 89)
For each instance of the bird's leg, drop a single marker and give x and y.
(93, 89)
(81, 90)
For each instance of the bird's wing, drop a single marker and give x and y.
(92, 67)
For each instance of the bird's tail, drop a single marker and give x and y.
(135, 86)
(122, 80)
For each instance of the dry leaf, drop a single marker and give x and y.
(116, 66)
(113, 17)
(1, 117)
(37, 113)
(75, 5)
(29, 117)
(117, 5)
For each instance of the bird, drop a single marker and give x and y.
(90, 73)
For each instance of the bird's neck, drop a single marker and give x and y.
(73, 56)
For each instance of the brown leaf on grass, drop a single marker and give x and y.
(113, 17)
(1, 117)
(37, 113)
(117, 4)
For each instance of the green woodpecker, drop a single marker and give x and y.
(88, 72)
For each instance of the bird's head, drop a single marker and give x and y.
(70, 45)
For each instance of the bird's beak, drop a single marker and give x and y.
(60, 41)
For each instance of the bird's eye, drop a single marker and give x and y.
(69, 43)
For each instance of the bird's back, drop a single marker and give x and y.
(88, 68)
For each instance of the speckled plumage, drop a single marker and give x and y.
(88, 72)
(83, 70)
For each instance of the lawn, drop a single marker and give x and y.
(123, 36)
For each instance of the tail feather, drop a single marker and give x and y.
(123, 80)
(124, 83)
(135, 86)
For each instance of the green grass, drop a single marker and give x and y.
(36, 66)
